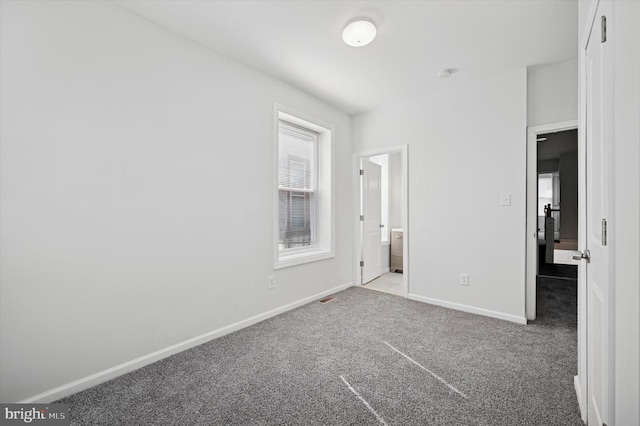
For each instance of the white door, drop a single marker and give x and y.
(372, 220)
(598, 135)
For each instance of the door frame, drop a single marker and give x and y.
(404, 211)
(532, 205)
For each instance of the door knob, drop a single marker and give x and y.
(582, 255)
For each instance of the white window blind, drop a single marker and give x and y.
(297, 185)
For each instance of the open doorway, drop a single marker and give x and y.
(557, 205)
(557, 209)
(380, 188)
(552, 215)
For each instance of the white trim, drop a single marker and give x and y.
(325, 232)
(531, 239)
(126, 367)
(578, 387)
(582, 376)
(298, 258)
(386, 270)
(469, 309)
(404, 210)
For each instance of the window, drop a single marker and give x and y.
(297, 177)
(549, 193)
(303, 228)
(545, 191)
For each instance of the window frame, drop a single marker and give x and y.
(324, 194)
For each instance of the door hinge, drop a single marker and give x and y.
(361, 172)
(604, 232)
(362, 263)
(361, 218)
(603, 29)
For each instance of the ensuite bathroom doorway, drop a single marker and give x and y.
(381, 218)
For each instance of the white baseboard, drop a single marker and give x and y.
(576, 384)
(467, 308)
(385, 270)
(119, 370)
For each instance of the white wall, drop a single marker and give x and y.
(548, 166)
(385, 257)
(552, 92)
(569, 196)
(466, 148)
(395, 190)
(136, 193)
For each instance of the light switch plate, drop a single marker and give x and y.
(464, 279)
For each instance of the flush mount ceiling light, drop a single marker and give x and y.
(359, 32)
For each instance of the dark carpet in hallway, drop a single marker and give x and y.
(555, 270)
(365, 358)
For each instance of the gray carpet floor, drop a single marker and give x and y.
(366, 358)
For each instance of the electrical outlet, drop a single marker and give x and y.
(272, 282)
(464, 279)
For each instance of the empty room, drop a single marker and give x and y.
(197, 198)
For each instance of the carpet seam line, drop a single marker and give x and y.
(364, 401)
(428, 371)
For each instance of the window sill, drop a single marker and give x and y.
(286, 261)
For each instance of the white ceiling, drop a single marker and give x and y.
(300, 41)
